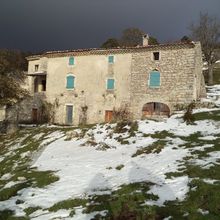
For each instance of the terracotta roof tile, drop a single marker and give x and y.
(121, 50)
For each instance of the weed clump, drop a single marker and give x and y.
(156, 147)
(119, 167)
(188, 117)
(68, 204)
(126, 126)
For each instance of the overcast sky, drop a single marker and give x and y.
(36, 25)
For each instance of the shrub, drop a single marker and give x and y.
(188, 117)
(126, 126)
(121, 114)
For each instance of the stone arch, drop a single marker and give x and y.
(155, 108)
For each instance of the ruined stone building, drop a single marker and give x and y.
(87, 85)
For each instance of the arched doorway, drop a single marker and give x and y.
(155, 108)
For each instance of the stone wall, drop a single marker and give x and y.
(179, 69)
(91, 74)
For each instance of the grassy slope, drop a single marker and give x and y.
(216, 74)
(128, 202)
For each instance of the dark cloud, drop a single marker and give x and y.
(63, 24)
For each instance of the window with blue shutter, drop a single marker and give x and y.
(71, 61)
(154, 81)
(70, 82)
(110, 59)
(110, 84)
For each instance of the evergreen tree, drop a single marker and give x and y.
(12, 67)
(110, 43)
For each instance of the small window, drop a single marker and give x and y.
(111, 59)
(110, 84)
(154, 81)
(71, 61)
(70, 82)
(156, 55)
(36, 67)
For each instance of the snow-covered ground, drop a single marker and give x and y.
(85, 169)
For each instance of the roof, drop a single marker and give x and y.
(119, 50)
(43, 73)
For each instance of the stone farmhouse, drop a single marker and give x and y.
(89, 85)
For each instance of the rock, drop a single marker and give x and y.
(21, 178)
(71, 134)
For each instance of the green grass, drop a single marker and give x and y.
(156, 147)
(129, 201)
(19, 166)
(119, 167)
(162, 135)
(30, 210)
(8, 215)
(212, 115)
(68, 204)
(7, 193)
(201, 196)
(216, 74)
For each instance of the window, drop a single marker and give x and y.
(110, 84)
(71, 61)
(70, 81)
(36, 67)
(111, 59)
(154, 81)
(156, 55)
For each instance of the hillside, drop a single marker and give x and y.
(145, 169)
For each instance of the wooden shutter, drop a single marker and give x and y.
(154, 79)
(111, 59)
(70, 82)
(71, 61)
(110, 84)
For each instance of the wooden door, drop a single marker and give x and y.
(34, 115)
(148, 109)
(108, 116)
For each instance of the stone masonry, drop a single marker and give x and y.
(179, 65)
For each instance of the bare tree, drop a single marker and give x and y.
(207, 31)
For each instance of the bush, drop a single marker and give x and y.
(121, 114)
(188, 117)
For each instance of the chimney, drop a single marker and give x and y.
(145, 40)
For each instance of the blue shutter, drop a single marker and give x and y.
(71, 61)
(70, 82)
(111, 59)
(154, 79)
(110, 84)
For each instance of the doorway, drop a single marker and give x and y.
(108, 116)
(155, 108)
(34, 115)
(69, 114)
